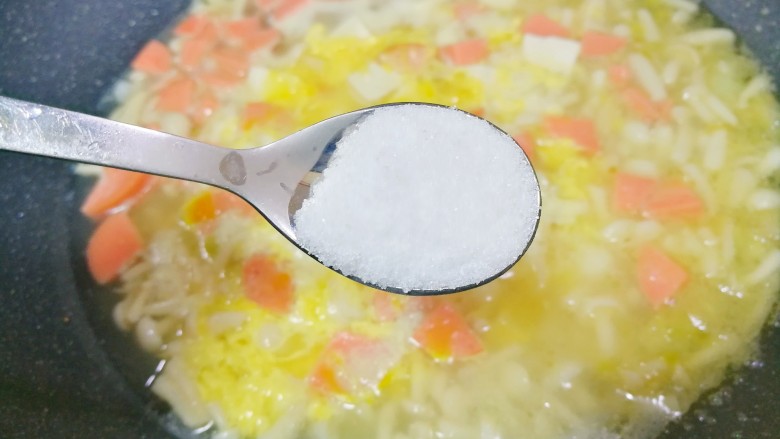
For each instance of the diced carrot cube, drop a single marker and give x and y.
(465, 52)
(544, 26)
(258, 112)
(631, 192)
(644, 107)
(113, 245)
(194, 51)
(445, 335)
(332, 372)
(659, 276)
(191, 25)
(266, 284)
(240, 29)
(176, 95)
(153, 58)
(580, 130)
(596, 44)
(674, 200)
(200, 208)
(114, 188)
(261, 39)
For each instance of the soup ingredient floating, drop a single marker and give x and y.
(421, 198)
(450, 202)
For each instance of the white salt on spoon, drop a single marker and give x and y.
(421, 199)
(416, 198)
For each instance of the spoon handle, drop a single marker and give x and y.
(37, 129)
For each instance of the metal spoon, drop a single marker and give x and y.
(273, 178)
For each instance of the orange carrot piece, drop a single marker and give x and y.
(200, 208)
(260, 39)
(153, 58)
(112, 246)
(176, 95)
(193, 51)
(526, 142)
(445, 335)
(619, 74)
(464, 10)
(631, 192)
(191, 25)
(255, 112)
(674, 200)
(114, 188)
(580, 130)
(465, 52)
(240, 29)
(343, 348)
(644, 107)
(287, 8)
(659, 276)
(267, 285)
(596, 44)
(544, 26)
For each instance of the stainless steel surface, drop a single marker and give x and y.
(272, 178)
(266, 177)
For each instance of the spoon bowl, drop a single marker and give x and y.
(275, 179)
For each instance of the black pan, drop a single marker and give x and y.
(65, 371)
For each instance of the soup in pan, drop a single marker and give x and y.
(654, 267)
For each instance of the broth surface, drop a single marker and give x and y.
(653, 270)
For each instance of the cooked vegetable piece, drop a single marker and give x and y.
(465, 52)
(194, 51)
(176, 95)
(674, 200)
(631, 192)
(200, 208)
(153, 58)
(658, 199)
(544, 26)
(659, 276)
(580, 130)
(445, 335)
(266, 284)
(114, 188)
(644, 107)
(596, 44)
(191, 25)
(261, 38)
(112, 246)
(328, 375)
